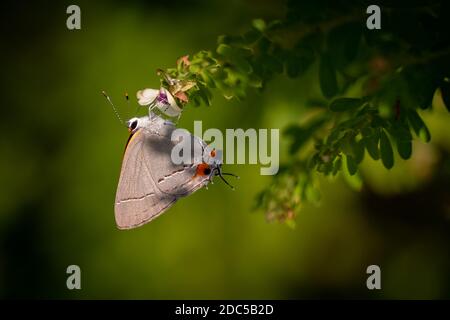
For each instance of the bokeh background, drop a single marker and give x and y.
(61, 149)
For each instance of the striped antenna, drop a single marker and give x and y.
(113, 106)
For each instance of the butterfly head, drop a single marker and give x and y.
(212, 166)
(135, 123)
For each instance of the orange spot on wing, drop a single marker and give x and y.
(200, 171)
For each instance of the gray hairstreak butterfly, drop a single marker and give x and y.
(149, 181)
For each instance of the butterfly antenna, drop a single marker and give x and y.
(230, 174)
(113, 106)
(219, 173)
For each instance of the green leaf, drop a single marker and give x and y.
(195, 99)
(425, 95)
(358, 151)
(327, 77)
(337, 165)
(404, 149)
(387, 155)
(418, 125)
(224, 50)
(207, 78)
(372, 147)
(312, 162)
(255, 81)
(352, 148)
(346, 143)
(403, 137)
(354, 181)
(346, 104)
(424, 134)
(205, 95)
(259, 200)
(367, 132)
(401, 133)
(259, 24)
(195, 68)
(241, 64)
(352, 167)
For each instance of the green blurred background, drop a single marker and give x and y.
(61, 149)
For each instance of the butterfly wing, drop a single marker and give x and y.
(174, 179)
(138, 200)
(149, 182)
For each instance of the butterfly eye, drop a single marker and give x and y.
(207, 171)
(133, 125)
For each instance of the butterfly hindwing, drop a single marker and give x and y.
(150, 182)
